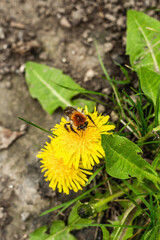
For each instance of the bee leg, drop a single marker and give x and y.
(65, 126)
(85, 125)
(91, 119)
(72, 129)
(82, 110)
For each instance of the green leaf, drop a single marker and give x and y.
(105, 233)
(157, 108)
(156, 129)
(128, 216)
(143, 41)
(154, 233)
(94, 175)
(58, 231)
(122, 159)
(156, 161)
(150, 82)
(42, 81)
(39, 234)
(82, 102)
(57, 226)
(65, 205)
(61, 236)
(154, 229)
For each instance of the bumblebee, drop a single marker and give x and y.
(77, 119)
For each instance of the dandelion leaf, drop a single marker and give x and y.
(150, 82)
(143, 44)
(43, 83)
(57, 226)
(84, 102)
(123, 160)
(57, 231)
(39, 233)
(143, 40)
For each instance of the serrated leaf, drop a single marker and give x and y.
(143, 41)
(39, 234)
(150, 82)
(43, 84)
(122, 159)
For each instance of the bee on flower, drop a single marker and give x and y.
(77, 119)
(79, 137)
(71, 155)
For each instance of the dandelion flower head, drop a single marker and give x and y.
(60, 175)
(85, 146)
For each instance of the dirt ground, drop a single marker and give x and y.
(60, 34)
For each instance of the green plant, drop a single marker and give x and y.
(134, 182)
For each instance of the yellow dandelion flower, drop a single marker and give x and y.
(81, 145)
(60, 175)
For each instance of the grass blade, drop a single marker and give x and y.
(36, 126)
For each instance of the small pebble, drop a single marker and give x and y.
(117, 9)
(118, 59)
(1, 212)
(86, 33)
(61, 10)
(59, 15)
(107, 91)
(23, 127)
(90, 74)
(64, 60)
(110, 17)
(121, 22)
(90, 39)
(2, 35)
(101, 108)
(15, 236)
(77, 16)
(22, 68)
(65, 23)
(13, 69)
(8, 85)
(25, 216)
(108, 47)
(73, 52)
(23, 227)
(114, 116)
(124, 40)
(43, 56)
